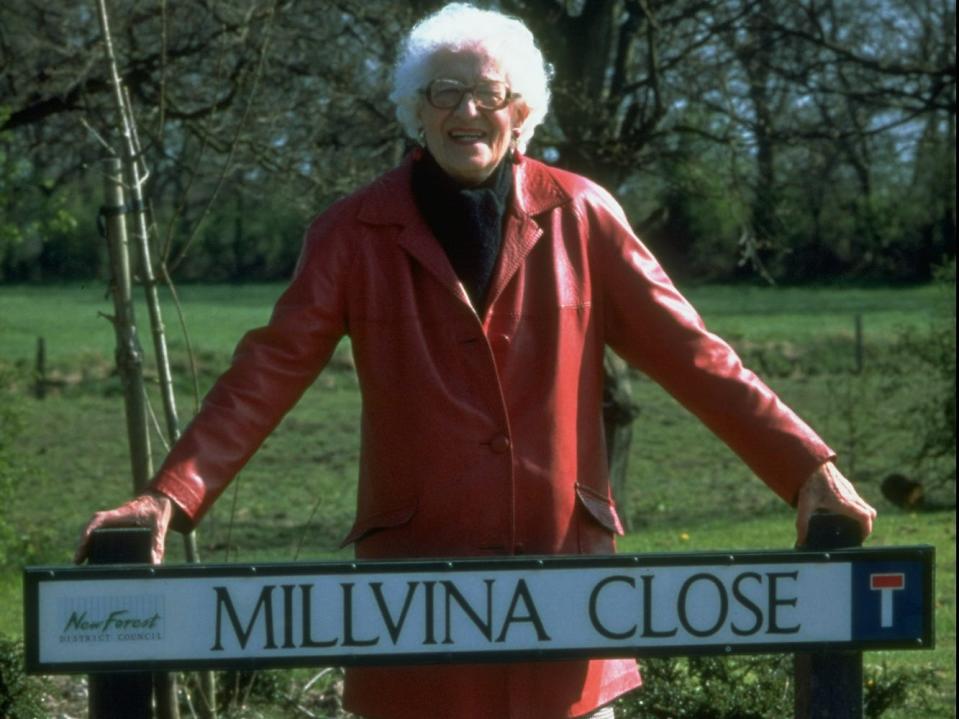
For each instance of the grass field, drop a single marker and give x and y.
(686, 490)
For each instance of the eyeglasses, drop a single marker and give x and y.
(446, 94)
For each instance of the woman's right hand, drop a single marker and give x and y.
(151, 509)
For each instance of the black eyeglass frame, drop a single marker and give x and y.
(471, 91)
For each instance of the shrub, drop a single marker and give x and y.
(712, 688)
(19, 694)
(10, 428)
(887, 688)
(925, 361)
(236, 688)
(755, 688)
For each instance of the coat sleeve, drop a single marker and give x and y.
(653, 327)
(271, 368)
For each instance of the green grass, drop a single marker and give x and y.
(687, 492)
(71, 318)
(801, 314)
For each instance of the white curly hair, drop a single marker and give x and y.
(459, 26)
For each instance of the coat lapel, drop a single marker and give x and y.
(534, 193)
(418, 240)
(392, 203)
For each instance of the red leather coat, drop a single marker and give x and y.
(482, 435)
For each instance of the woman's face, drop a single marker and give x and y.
(468, 142)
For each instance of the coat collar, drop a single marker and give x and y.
(390, 198)
(389, 201)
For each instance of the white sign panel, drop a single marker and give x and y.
(345, 614)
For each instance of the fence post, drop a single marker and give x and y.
(860, 362)
(40, 371)
(828, 685)
(120, 695)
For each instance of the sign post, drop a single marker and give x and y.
(121, 695)
(814, 603)
(829, 685)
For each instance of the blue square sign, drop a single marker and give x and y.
(887, 600)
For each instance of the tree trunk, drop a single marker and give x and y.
(129, 355)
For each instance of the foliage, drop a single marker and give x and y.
(887, 688)
(871, 217)
(11, 427)
(33, 216)
(711, 688)
(20, 543)
(235, 689)
(20, 695)
(925, 359)
(248, 238)
(269, 694)
(699, 215)
(753, 688)
(811, 140)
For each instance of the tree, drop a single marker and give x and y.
(292, 98)
(231, 99)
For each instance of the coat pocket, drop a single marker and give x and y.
(371, 524)
(600, 508)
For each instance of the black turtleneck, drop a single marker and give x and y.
(467, 220)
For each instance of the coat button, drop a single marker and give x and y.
(499, 444)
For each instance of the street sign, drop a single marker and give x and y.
(90, 619)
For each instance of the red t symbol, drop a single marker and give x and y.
(886, 584)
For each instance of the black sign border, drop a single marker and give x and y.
(33, 576)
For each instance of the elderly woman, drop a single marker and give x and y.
(479, 288)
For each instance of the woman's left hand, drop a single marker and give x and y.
(828, 489)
